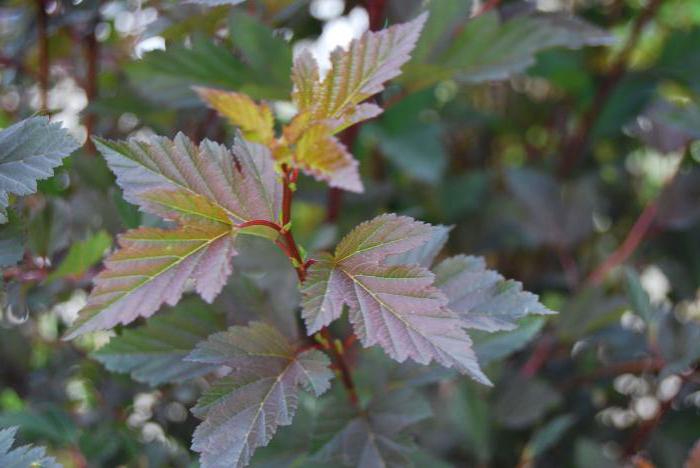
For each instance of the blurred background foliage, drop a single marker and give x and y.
(562, 148)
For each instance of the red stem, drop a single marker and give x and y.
(261, 222)
(574, 147)
(342, 366)
(290, 248)
(92, 53)
(628, 246)
(43, 44)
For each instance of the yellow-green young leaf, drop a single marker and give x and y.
(254, 120)
(82, 256)
(334, 103)
(356, 74)
(327, 159)
(154, 267)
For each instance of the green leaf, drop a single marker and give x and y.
(411, 144)
(523, 401)
(266, 53)
(82, 256)
(22, 457)
(555, 214)
(488, 48)
(29, 151)
(50, 423)
(242, 411)
(167, 76)
(589, 453)
(491, 347)
(154, 353)
(548, 435)
(11, 245)
(638, 297)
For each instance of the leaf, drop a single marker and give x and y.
(678, 342)
(29, 151)
(482, 298)
(167, 76)
(490, 347)
(678, 203)
(22, 457)
(548, 435)
(389, 234)
(327, 106)
(206, 191)
(411, 143)
(667, 126)
(554, 214)
(394, 306)
(265, 52)
(82, 256)
(254, 120)
(591, 453)
(356, 74)
(486, 48)
(426, 253)
(327, 159)
(373, 438)
(680, 59)
(176, 179)
(49, 423)
(153, 267)
(522, 401)
(242, 411)
(154, 353)
(638, 297)
(11, 245)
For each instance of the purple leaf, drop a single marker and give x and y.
(482, 298)
(242, 411)
(395, 307)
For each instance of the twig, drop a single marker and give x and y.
(539, 357)
(487, 6)
(92, 55)
(645, 430)
(376, 10)
(628, 246)
(629, 367)
(342, 366)
(636, 234)
(574, 147)
(43, 44)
